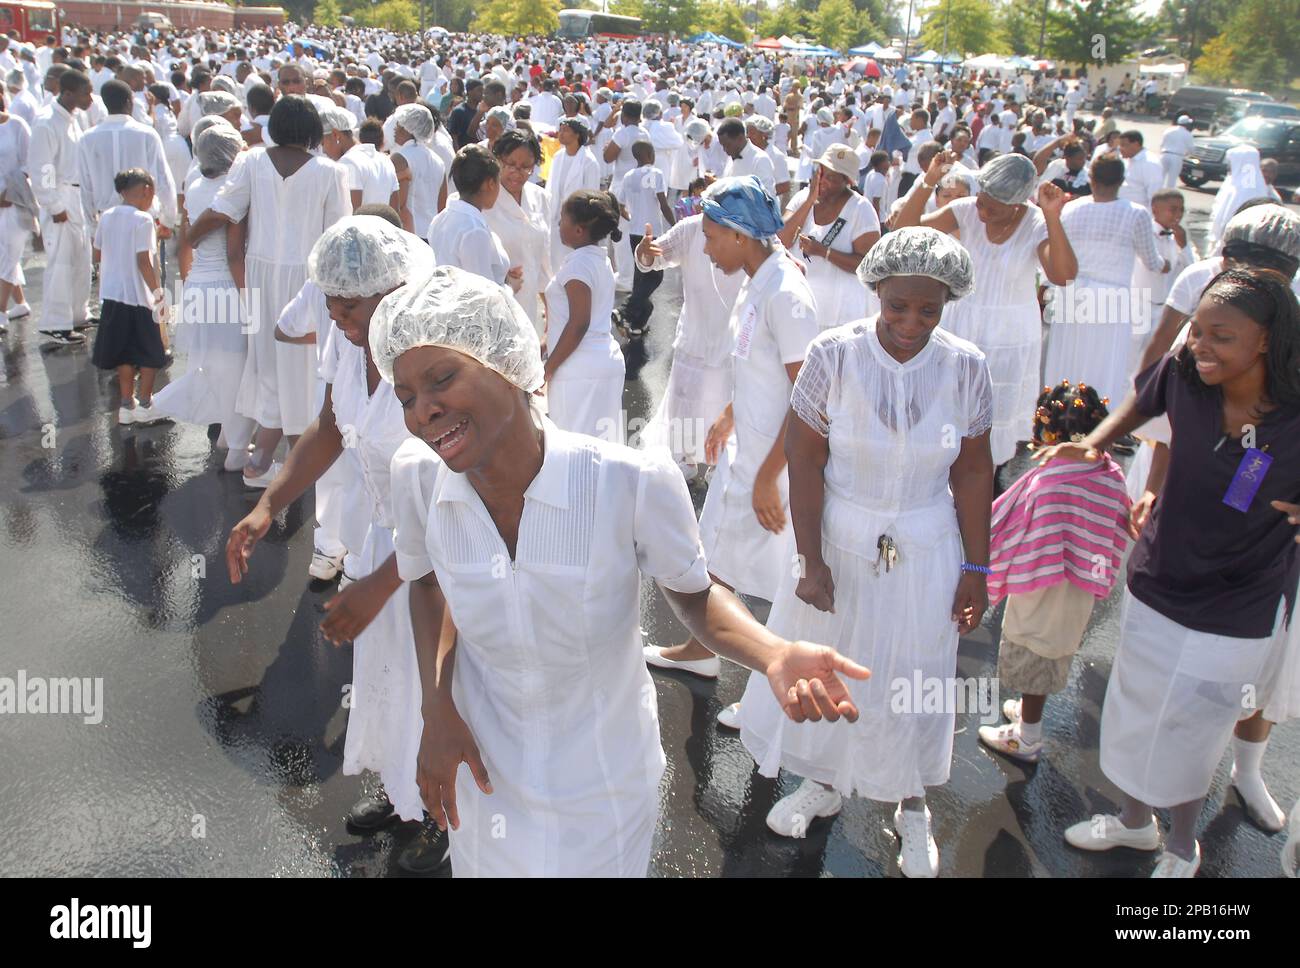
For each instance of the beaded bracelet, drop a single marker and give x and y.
(982, 569)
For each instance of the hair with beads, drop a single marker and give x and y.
(1067, 412)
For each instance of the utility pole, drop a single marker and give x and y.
(907, 34)
(947, 12)
(1042, 31)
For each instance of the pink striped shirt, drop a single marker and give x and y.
(1067, 521)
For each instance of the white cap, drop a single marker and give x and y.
(1185, 119)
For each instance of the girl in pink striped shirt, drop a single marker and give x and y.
(1057, 536)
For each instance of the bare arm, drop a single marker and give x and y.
(1162, 339)
(971, 478)
(579, 296)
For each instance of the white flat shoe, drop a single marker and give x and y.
(19, 311)
(704, 668)
(1171, 865)
(1106, 831)
(263, 480)
(729, 716)
(919, 856)
(325, 567)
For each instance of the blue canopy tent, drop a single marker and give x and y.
(709, 37)
(726, 41)
(314, 47)
(866, 50)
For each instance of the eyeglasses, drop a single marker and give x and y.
(521, 169)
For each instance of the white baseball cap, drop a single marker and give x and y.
(1185, 119)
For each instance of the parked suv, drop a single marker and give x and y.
(1236, 108)
(1203, 103)
(1274, 137)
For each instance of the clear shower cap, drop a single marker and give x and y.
(1270, 226)
(335, 118)
(207, 123)
(16, 79)
(742, 203)
(216, 147)
(464, 312)
(224, 82)
(652, 111)
(364, 255)
(217, 102)
(416, 120)
(761, 124)
(1009, 179)
(697, 130)
(503, 115)
(919, 251)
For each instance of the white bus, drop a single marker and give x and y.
(581, 24)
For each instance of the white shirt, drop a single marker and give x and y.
(124, 231)
(625, 137)
(1177, 141)
(113, 145)
(1142, 179)
(547, 109)
(639, 192)
(459, 236)
(428, 175)
(53, 152)
(753, 162)
(370, 173)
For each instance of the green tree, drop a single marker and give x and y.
(1259, 45)
(1020, 25)
(970, 27)
(835, 24)
(723, 18)
(786, 19)
(327, 13)
(397, 15)
(1193, 22)
(1094, 31)
(518, 17)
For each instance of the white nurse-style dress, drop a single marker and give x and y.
(841, 296)
(549, 672)
(894, 430)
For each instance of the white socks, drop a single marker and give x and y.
(1031, 733)
(1246, 777)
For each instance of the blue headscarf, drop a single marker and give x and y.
(743, 204)
(892, 138)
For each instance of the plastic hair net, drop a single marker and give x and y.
(1009, 179)
(223, 82)
(503, 115)
(761, 124)
(335, 118)
(216, 147)
(206, 123)
(825, 116)
(743, 204)
(652, 111)
(364, 255)
(464, 312)
(416, 120)
(1270, 226)
(920, 252)
(696, 130)
(217, 102)
(16, 79)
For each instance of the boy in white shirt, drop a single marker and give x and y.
(643, 196)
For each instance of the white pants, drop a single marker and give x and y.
(1172, 165)
(66, 287)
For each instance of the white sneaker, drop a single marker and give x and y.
(1259, 804)
(264, 479)
(729, 716)
(1106, 831)
(1171, 865)
(325, 567)
(919, 856)
(1006, 739)
(20, 310)
(705, 668)
(146, 413)
(791, 815)
(126, 415)
(344, 581)
(1011, 710)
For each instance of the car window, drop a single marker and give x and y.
(1263, 131)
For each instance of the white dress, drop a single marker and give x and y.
(211, 330)
(585, 395)
(841, 296)
(1002, 318)
(700, 379)
(427, 178)
(285, 218)
(774, 319)
(569, 173)
(549, 673)
(892, 431)
(1245, 181)
(1092, 319)
(16, 222)
(525, 232)
(385, 723)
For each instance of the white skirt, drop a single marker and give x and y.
(901, 743)
(1173, 699)
(740, 551)
(1012, 340)
(15, 228)
(1282, 692)
(385, 722)
(1095, 351)
(210, 332)
(278, 388)
(696, 396)
(585, 396)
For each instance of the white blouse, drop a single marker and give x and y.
(588, 265)
(549, 673)
(459, 236)
(526, 235)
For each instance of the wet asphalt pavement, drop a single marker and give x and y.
(220, 747)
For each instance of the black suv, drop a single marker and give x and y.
(1203, 103)
(1274, 137)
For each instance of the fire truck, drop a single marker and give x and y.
(33, 20)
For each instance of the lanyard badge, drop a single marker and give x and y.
(1246, 482)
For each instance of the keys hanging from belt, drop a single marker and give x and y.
(886, 553)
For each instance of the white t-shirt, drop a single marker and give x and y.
(127, 231)
(371, 173)
(639, 191)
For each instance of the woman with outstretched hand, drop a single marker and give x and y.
(538, 539)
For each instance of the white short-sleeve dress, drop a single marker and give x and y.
(841, 296)
(549, 673)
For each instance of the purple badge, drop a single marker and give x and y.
(1245, 483)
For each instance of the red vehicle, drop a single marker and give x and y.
(34, 20)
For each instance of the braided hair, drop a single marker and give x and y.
(1067, 412)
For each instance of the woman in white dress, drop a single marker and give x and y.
(699, 381)
(1244, 182)
(1009, 239)
(834, 227)
(211, 326)
(1090, 340)
(421, 176)
(356, 263)
(289, 197)
(17, 214)
(520, 219)
(584, 364)
(573, 168)
(538, 539)
(890, 490)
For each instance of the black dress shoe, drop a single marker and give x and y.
(429, 851)
(372, 811)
